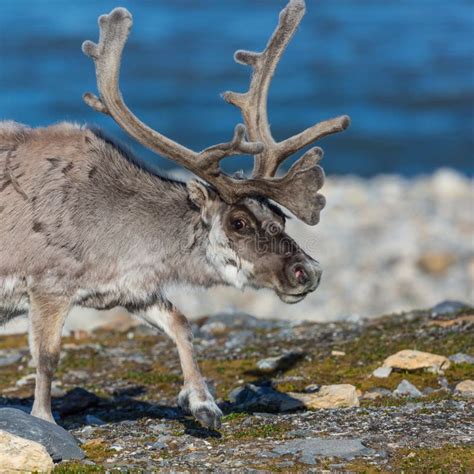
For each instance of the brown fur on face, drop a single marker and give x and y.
(254, 237)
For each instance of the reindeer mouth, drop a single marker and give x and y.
(292, 298)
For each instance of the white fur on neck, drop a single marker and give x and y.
(219, 253)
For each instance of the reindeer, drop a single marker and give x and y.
(82, 224)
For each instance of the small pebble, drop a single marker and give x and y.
(94, 420)
(406, 388)
(382, 372)
(461, 358)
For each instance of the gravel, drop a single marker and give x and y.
(120, 392)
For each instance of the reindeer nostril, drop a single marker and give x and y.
(301, 275)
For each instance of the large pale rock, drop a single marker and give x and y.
(466, 388)
(415, 360)
(330, 396)
(59, 443)
(22, 455)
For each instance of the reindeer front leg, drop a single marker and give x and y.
(47, 316)
(194, 398)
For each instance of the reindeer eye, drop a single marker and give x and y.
(238, 224)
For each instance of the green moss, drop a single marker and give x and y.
(231, 417)
(154, 377)
(458, 372)
(262, 430)
(84, 359)
(227, 373)
(448, 459)
(97, 450)
(8, 376)
(367, 352)
(15, 341)
(77, 468)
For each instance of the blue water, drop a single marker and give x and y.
(402, 69)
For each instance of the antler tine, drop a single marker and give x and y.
(114, 31)
(253, 103)
(297, 190)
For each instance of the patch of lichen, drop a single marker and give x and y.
(358, 466)
(157, 379)
(71, 467)
(8, 376)
(449, 459)
(261, 430)
(154, 376)
(331, 371)
(234, 417)
(458, 372)
(14, 341)
(400, 401)
(446, 460)
(367, 352)
(85, 359)
(228, 374)
(97, 450)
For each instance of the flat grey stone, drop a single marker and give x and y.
(94, 420)
(448, 307)
(406, 388)
(9, 358)
(313, 448)
(382, 372)
(59, 443)
(461, 358)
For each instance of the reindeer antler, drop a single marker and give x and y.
(114, 30)
(297, 190)
(253, 103)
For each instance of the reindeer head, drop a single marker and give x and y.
(247, 242)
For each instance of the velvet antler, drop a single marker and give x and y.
(297, 190)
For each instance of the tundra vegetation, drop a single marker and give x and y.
(125, 415)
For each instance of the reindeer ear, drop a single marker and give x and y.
(199, 193)
(203, 197)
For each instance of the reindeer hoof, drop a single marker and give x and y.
(208, 414)
(200, 404)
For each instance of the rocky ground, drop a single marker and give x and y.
(296, 396)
